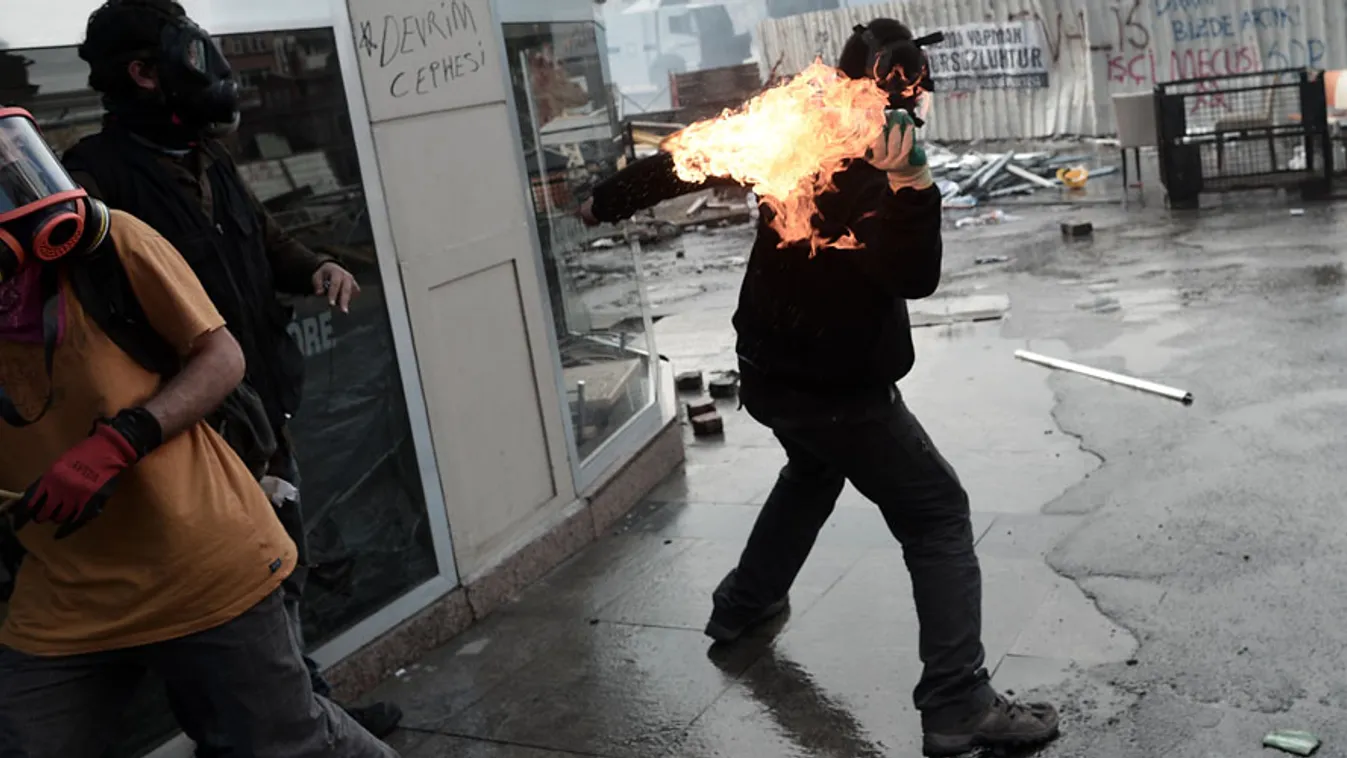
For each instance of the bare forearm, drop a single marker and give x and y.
(214, 369)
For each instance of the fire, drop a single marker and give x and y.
(787, 144)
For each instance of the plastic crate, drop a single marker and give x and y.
(1259, 130)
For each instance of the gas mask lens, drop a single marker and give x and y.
(196, 55)
(29, 172)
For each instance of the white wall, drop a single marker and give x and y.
(553, 11)
(451, 172)
(1096, 48)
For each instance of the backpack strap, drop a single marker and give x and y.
(100, 283)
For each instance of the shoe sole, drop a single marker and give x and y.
(946, 747)
(724, 635)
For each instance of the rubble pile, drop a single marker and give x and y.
(969, 179)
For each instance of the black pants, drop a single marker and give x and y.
(247, 673)
(874, 442)
(192, 714)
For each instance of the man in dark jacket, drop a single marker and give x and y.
(169, 95)
(822, 342)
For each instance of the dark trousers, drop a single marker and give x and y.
(248, 672)
(874, 442)
(291, 516)
(193, 715)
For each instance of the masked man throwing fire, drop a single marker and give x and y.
(823, 340)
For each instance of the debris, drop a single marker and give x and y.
(689, 381)
(1297, 211)
(1074, 178)
(1292, 741)
(1108, 376)
(700, 407)
(708, 425)
(737, 260)
(987, 219)
(604, 243)
(1017, 189)
(1030, 176)
(724, 387)
(993, 170)
(1077, 229)
(972, 178)
(989, 259)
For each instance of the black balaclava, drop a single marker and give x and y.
(905, 54)
(122, 31)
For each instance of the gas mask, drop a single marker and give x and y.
(196, 79)
(901, 68)
(44, 215)
(45, 218)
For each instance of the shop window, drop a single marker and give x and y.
(365, 509)
(568, 126)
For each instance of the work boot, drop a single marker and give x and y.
(731, 619)
(379, 719)
(1003, 724)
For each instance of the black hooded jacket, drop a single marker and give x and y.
(836, 323)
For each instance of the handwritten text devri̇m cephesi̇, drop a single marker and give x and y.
(409, 40)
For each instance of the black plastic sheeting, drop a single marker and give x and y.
(363, 503)
(364, 506)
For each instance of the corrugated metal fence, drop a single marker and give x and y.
(1090, 49)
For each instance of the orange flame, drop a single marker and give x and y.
(787, 144)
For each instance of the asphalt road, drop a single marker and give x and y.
(1217, 533)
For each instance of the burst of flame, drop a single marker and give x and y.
(787, 144)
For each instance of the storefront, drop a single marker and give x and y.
(498, 377)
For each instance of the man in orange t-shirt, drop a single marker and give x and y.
(151, 547)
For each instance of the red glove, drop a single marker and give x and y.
(78, 484)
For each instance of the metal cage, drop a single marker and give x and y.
(1259, 130)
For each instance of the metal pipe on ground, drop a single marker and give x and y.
(1173, 393)
(1014, 189)
(976, 177)
(996, 168)
(1030, 176)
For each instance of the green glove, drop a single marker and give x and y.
(897, 153)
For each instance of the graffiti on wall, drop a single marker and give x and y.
(1201, 38)
(1093, 49)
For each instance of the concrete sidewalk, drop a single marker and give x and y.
(606, 657)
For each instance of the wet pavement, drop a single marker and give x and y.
(1173, 577)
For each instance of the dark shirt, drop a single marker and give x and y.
(293, 265)
(833, 323)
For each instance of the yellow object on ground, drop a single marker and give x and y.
(1074, 178)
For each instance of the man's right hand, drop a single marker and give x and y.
(78, 484)
(587, 213)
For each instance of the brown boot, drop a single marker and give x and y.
(1003, 724)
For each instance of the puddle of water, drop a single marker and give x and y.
(992, 416)
(1148, 305)
(943, 310)
(1144, 352)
